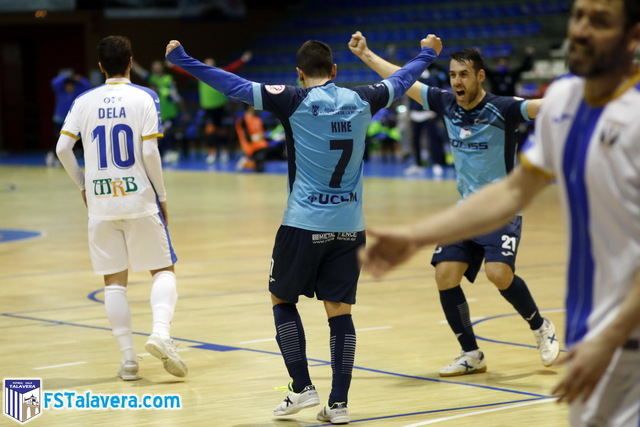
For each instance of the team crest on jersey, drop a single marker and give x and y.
(274, 89)
(610, 132)
(22, 399)
(314, 109)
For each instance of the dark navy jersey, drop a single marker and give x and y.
(483, 139)
(325, 130)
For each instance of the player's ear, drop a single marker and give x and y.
(300, 74)
(634, 38)
(334, 71)
(482, 75)
(101, 69)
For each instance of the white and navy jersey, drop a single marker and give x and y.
(325, 129)
(483, 139)
(113, 120)
(594, 153)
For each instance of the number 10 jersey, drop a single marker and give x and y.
(113, 120)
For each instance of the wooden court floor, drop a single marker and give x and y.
(53, 324)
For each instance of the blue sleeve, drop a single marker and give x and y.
(377, 95)
(231, 85)
(57, 83)
(82, 85)
(435, 99)
(514, 108)
(400, 81)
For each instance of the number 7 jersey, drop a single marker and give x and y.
(325, 128)
(113, 120)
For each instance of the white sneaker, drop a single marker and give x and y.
(413, 170)
(129, 370)
(338, 413)
(548, 344)
(165, 350)
(467, 363)
(295, 402)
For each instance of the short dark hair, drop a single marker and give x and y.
(114, 53)
(315, 59)
(631, 13)
(470, 55)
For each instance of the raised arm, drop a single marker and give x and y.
(358, 46)
(57, 83)
(403, 79)
(229, 84)
(484, 211)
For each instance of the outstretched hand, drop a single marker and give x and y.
(433, 42)
(170, 46)
(386, 249)
(358, 44)
(586, 363)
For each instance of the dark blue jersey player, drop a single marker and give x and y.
(482, 129)
(315, 251)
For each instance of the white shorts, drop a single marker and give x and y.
(137, 244)
(615, 402)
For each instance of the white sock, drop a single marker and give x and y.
(117, 307)
(163, 302)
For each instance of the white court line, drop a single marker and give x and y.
(373, 328)
(486, 411)
(62, 365)
(258, 340)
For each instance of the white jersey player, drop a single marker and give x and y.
(587, 138)
(123, 188)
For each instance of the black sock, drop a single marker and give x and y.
(456, 310)
(290, 338)
(520, 298)
(343, 352)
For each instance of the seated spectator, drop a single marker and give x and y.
(253, 141)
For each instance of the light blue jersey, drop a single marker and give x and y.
(325, 128)
(483, 139)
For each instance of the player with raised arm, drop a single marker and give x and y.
(123, 188)
(315, 251)
(483, 130)
(586, 138)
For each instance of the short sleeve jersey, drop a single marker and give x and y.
(483, 139)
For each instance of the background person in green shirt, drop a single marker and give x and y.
(214, 130)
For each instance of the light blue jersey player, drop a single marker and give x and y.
(315, 251)
(483, 131)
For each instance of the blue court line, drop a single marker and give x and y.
(199, 344)
(433, 411)
(218, 347)
(499, 316)
(92, 296)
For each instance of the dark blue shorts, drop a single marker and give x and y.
(324, 264)
(498, 246)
